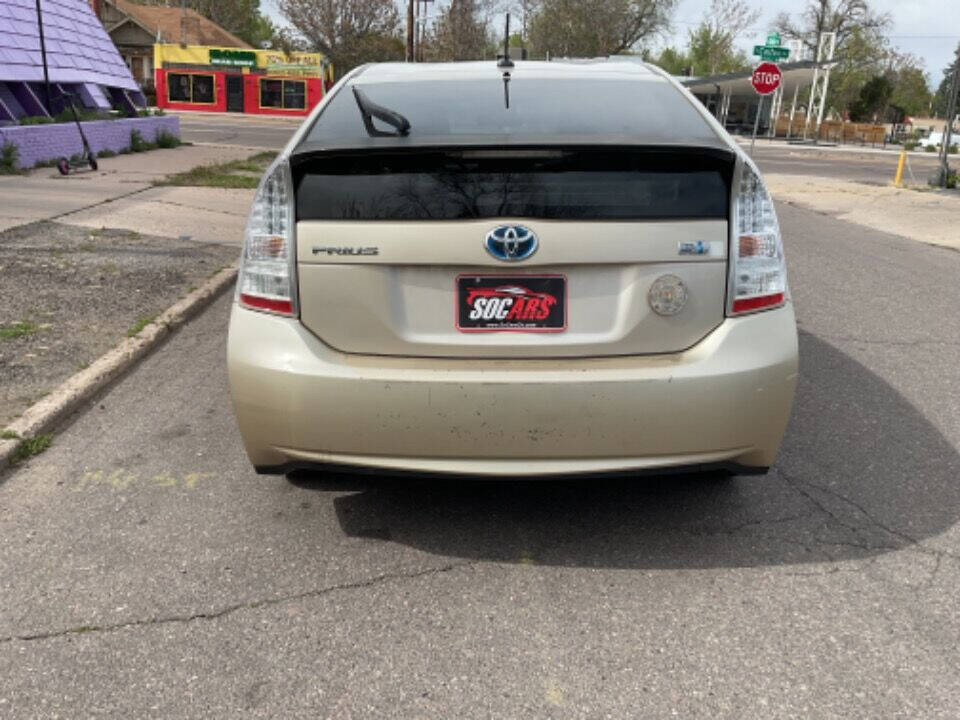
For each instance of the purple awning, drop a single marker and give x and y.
(77, 44)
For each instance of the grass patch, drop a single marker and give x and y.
(140, 324)
(224, 175)
(32, 447)
(18, 330)
(9, 435)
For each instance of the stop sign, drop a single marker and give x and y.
(766, 78)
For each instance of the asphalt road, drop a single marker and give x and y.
(246, 131)
(847, 163)
(145, 571)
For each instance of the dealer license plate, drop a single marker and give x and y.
(511, 303)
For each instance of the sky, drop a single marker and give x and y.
(929, 29)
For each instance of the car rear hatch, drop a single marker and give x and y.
(391, 246)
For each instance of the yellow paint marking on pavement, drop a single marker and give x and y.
(554, 696)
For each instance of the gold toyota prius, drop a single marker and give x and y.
(538, 269)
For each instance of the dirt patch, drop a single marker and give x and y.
(71, 293)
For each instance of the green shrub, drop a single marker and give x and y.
(159, 112)
(35, 120)
(9, 157)
(167, 139)
(953, 179)
(910, 144)
(137, 143)
(929, 148)
(66, 115)
(106, 154)
(952, 149)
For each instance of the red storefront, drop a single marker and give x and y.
(258, 82)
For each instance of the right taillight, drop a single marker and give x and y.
(758, 275)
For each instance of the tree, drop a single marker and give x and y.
(862, 52)
(574, 28)
(348, 32)
(711, 44)
(911, 94)
(675, 62)
(240, 17)
(863, 57)
(459, 33)
(844, 17)
(942, 98)
(872, 102)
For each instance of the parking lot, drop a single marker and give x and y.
(148, 572)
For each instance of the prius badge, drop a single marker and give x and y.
(511, 243)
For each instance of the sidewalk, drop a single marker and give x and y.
(121, 195)
(929, 216)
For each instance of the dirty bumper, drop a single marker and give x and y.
(725, 400)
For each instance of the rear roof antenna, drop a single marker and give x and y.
(505, 63)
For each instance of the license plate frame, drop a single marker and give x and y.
(526, 296)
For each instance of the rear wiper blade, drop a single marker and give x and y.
(369, 110)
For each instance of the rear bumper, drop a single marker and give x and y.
(723, 402)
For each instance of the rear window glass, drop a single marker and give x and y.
(559, 184)
(652, 110)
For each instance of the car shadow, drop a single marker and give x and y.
(861, 472)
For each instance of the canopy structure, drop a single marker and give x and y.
(732, 99)
(81, 59)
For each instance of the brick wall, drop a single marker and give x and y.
(39, 143)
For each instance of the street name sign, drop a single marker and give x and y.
(771, 53)
(766, 78)
(772, 49)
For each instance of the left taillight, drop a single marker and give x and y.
(758, 273)
(267, 278)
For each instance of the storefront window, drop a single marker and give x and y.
(271, 93)
(283, 94)
(203, 88)
(294, 97)
(190, 88)
(179, 87)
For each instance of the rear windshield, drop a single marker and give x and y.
(652, 111)
(585, 184)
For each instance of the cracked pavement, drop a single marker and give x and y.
(145, 571)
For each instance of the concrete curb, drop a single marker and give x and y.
(49, 411)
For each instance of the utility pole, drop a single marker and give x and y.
(410, 57)
(951, 114)
(43, 57)
(183, 23)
